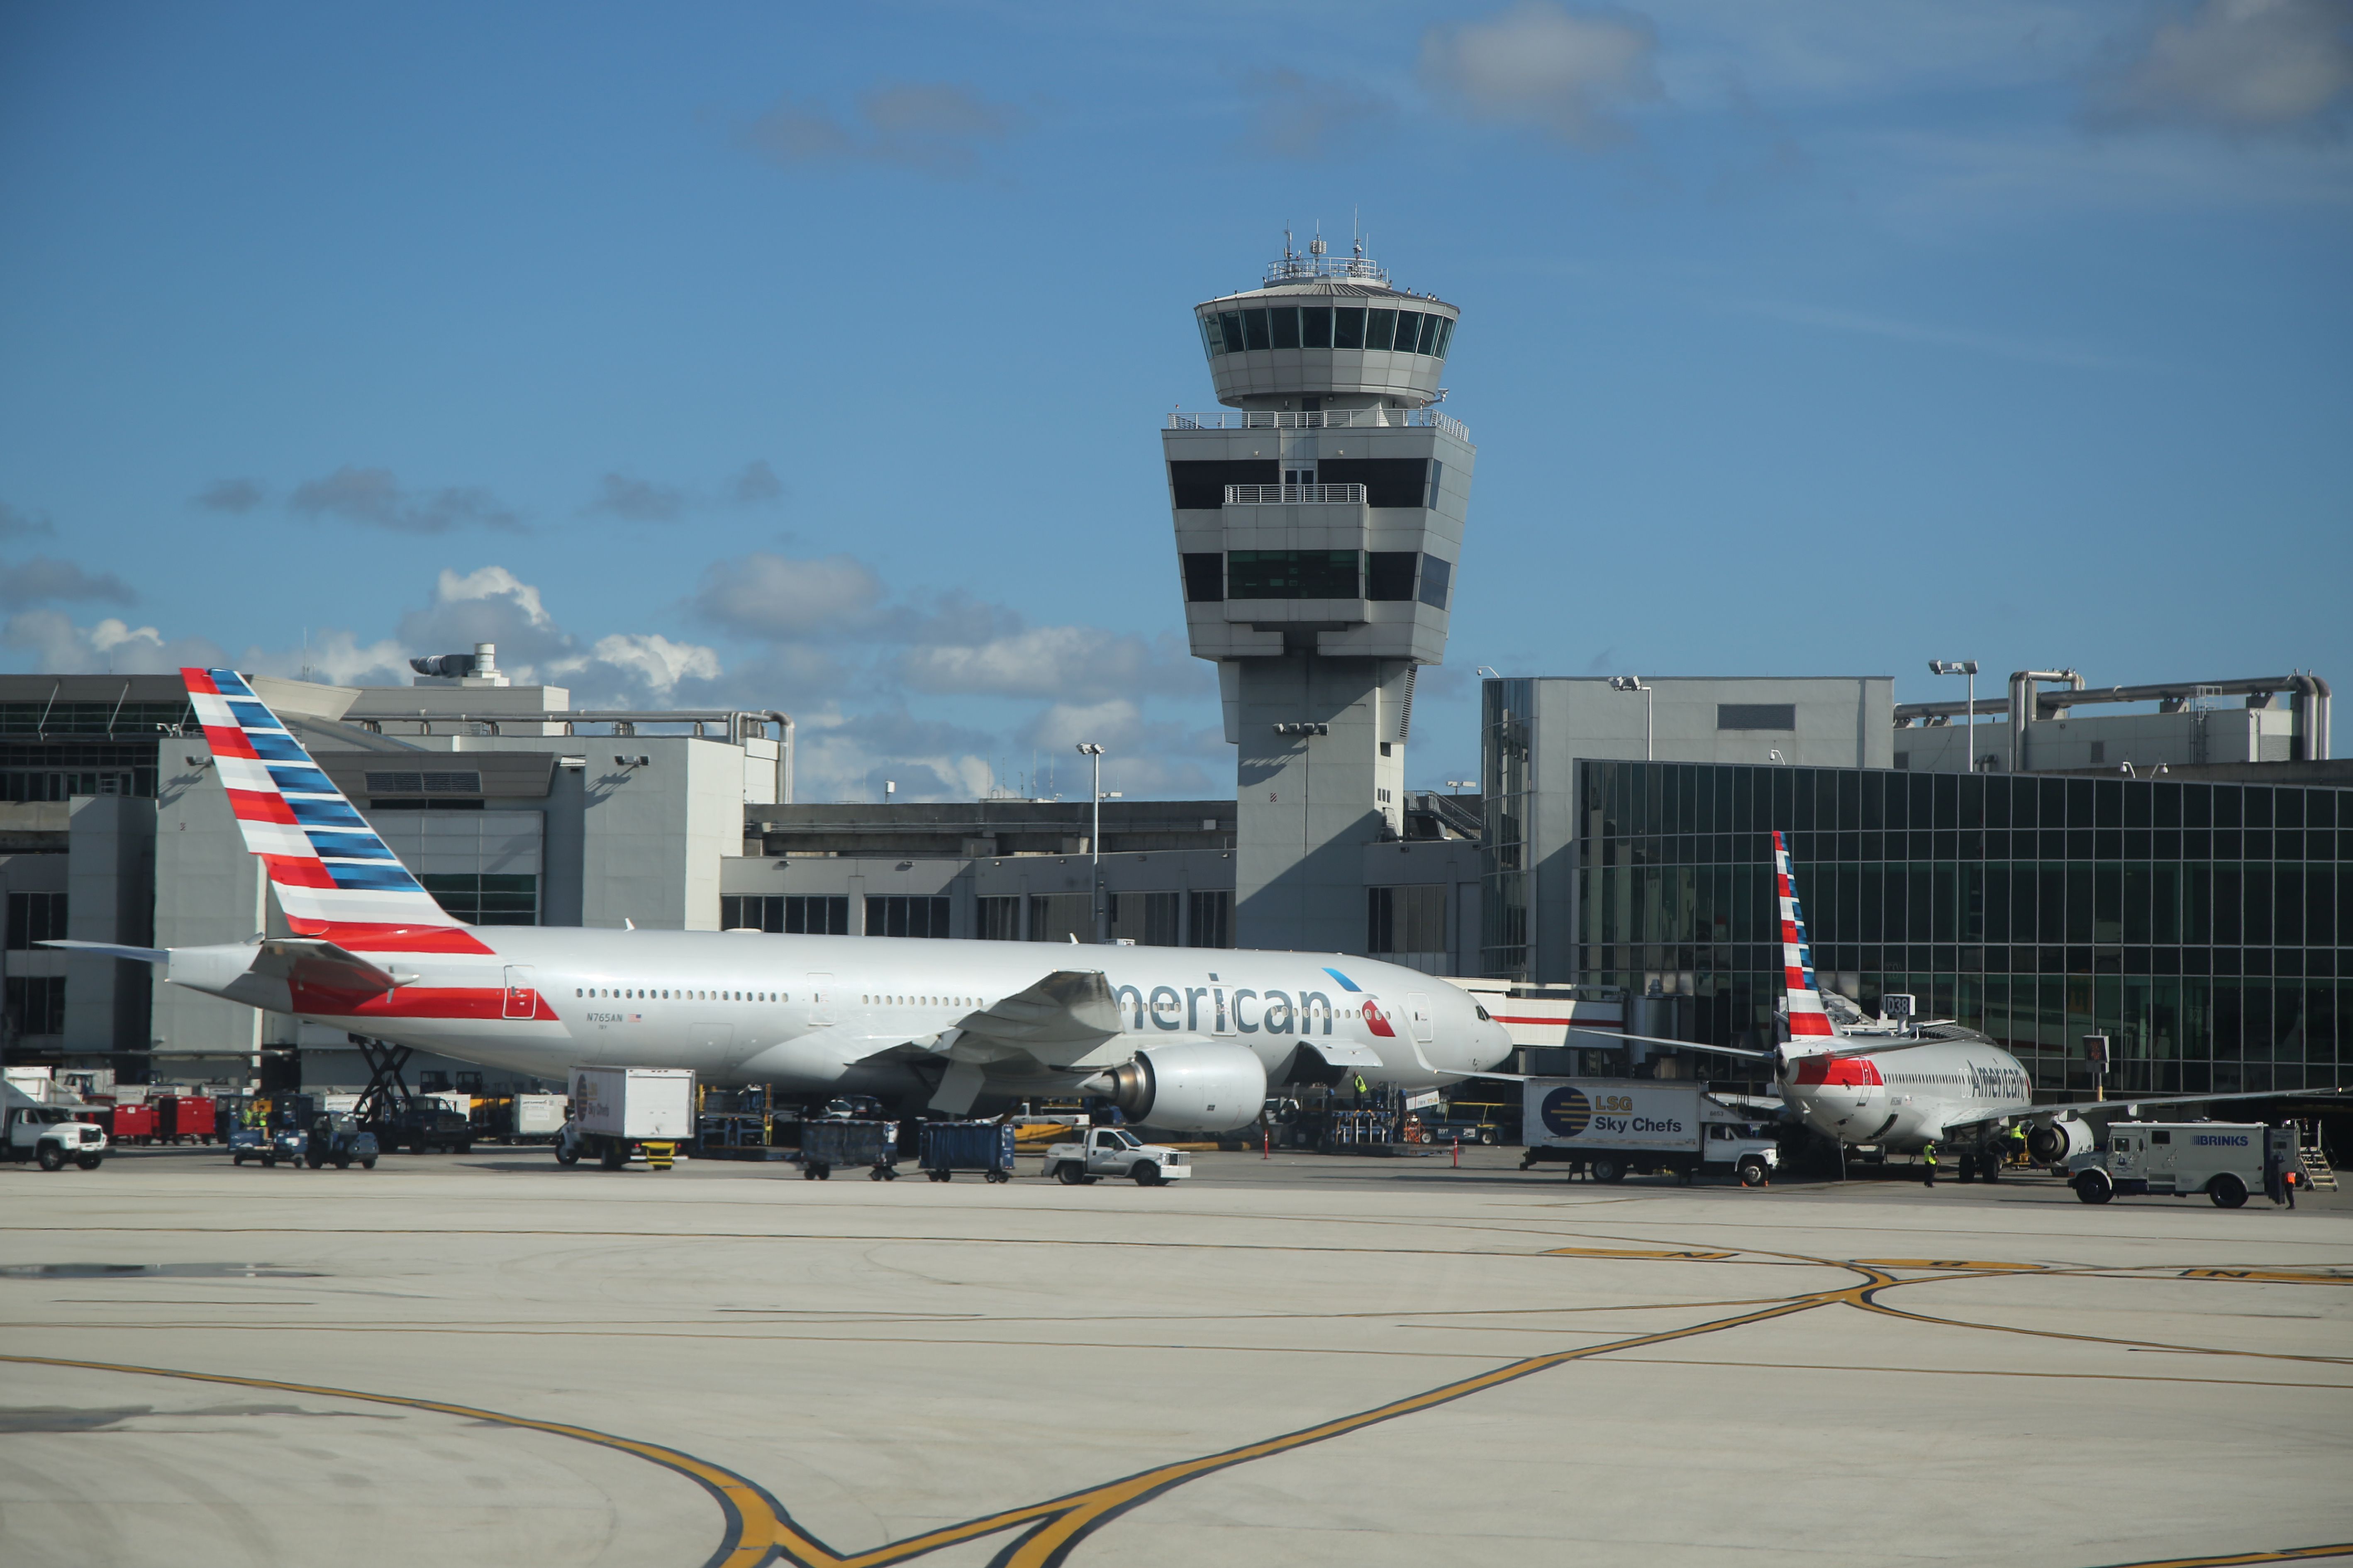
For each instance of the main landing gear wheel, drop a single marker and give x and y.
(2227, 1190)
(1992, 1171)
(1144, 1173)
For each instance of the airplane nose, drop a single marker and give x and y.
(1495, 1047)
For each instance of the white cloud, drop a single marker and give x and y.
(637, 500)
(114, 646)
(2237, 66)
(935, 127)
(652, 660)
(1051, 661)
(374, 497)
(44, 578)
(782, 599)
(1542, 66)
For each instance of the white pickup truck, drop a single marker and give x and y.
(1115, 1151)
(49, 1134)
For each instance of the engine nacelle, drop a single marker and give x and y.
(2051, 1142)
(1191, 1087)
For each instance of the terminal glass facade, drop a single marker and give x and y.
(2201, 927)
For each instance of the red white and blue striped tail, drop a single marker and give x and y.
(1807, 1021)
(334, 876)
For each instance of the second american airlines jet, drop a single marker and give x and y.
(1186, 1037)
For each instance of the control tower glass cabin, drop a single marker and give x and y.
(1319, 524)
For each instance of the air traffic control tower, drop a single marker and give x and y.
(1319, 521)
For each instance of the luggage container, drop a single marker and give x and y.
(832, 1142)
(951, 1146)
(130, 1123)
(537, 1117)
(186, 1119)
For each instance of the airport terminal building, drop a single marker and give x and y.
(2171, 866)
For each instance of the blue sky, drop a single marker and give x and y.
(814, 357)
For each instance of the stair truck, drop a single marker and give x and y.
(1612, 1128)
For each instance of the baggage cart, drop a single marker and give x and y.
(951, 1146)
(186, 1119)
(832, 1143)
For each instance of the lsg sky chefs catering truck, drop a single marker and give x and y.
(1610, 1127)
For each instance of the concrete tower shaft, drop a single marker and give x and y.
(1319, 521)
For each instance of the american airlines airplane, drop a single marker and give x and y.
(1186, 1038)
(1902, 1086)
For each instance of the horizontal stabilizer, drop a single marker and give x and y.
(111, 949)
(1068, 1008)
(316, 964)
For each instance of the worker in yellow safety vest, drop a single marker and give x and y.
(1928, 1166)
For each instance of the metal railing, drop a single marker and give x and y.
(1322, 419)
(1293, 495)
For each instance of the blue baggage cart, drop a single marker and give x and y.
(832, 1142)
(953, 1146)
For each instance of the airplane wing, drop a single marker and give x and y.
(1070, 1011)
(1662, 1041)
(111, 950)
(2104, 1110)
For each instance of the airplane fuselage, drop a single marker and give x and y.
(1904, 1101)
(811, 1014)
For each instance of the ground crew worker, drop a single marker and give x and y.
(1928, 1166)
(2288, 1180)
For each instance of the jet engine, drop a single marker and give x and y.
(2051, 1142)
(1187, 1087)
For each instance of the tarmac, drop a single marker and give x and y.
(488, 1359)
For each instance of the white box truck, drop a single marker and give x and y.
(1612, 1127)
(621, 1113)
(2224, 1160)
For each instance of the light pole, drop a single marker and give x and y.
(1967, 666)
(1462, 783)
(1093, 753)
(1633, 683)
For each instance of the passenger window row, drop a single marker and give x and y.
(1327, 327)
(655, 993)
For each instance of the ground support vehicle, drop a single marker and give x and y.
(1610, 1128)
(336, 1138)
(186, 1119)
(948, 1147)
(129, 1121)
(422, 1126)
(2223, 1160)
(531, 1118)
(50, 1136)
(1115, 1151)
(835, 1142)
(620, 1113)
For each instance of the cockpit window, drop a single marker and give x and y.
(1483, 1016)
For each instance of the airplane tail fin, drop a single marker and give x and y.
(334, 876)
(1808, 1023)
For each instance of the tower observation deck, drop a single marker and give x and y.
(1319, 521)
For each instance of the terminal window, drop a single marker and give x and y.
(1388, 574)
(1755, 715)
(35, 917)
(1406, 919)
(1292, 574)
(1205, 577)
(1149, 918)
(998, 917)
(1201, 485)
(1209, 919)
(1388, 482)
(814, 915)
(895, 914)
(1436, 577)
(485, 899)
(1327, 326)
(1059, 917)
(34, 1004)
